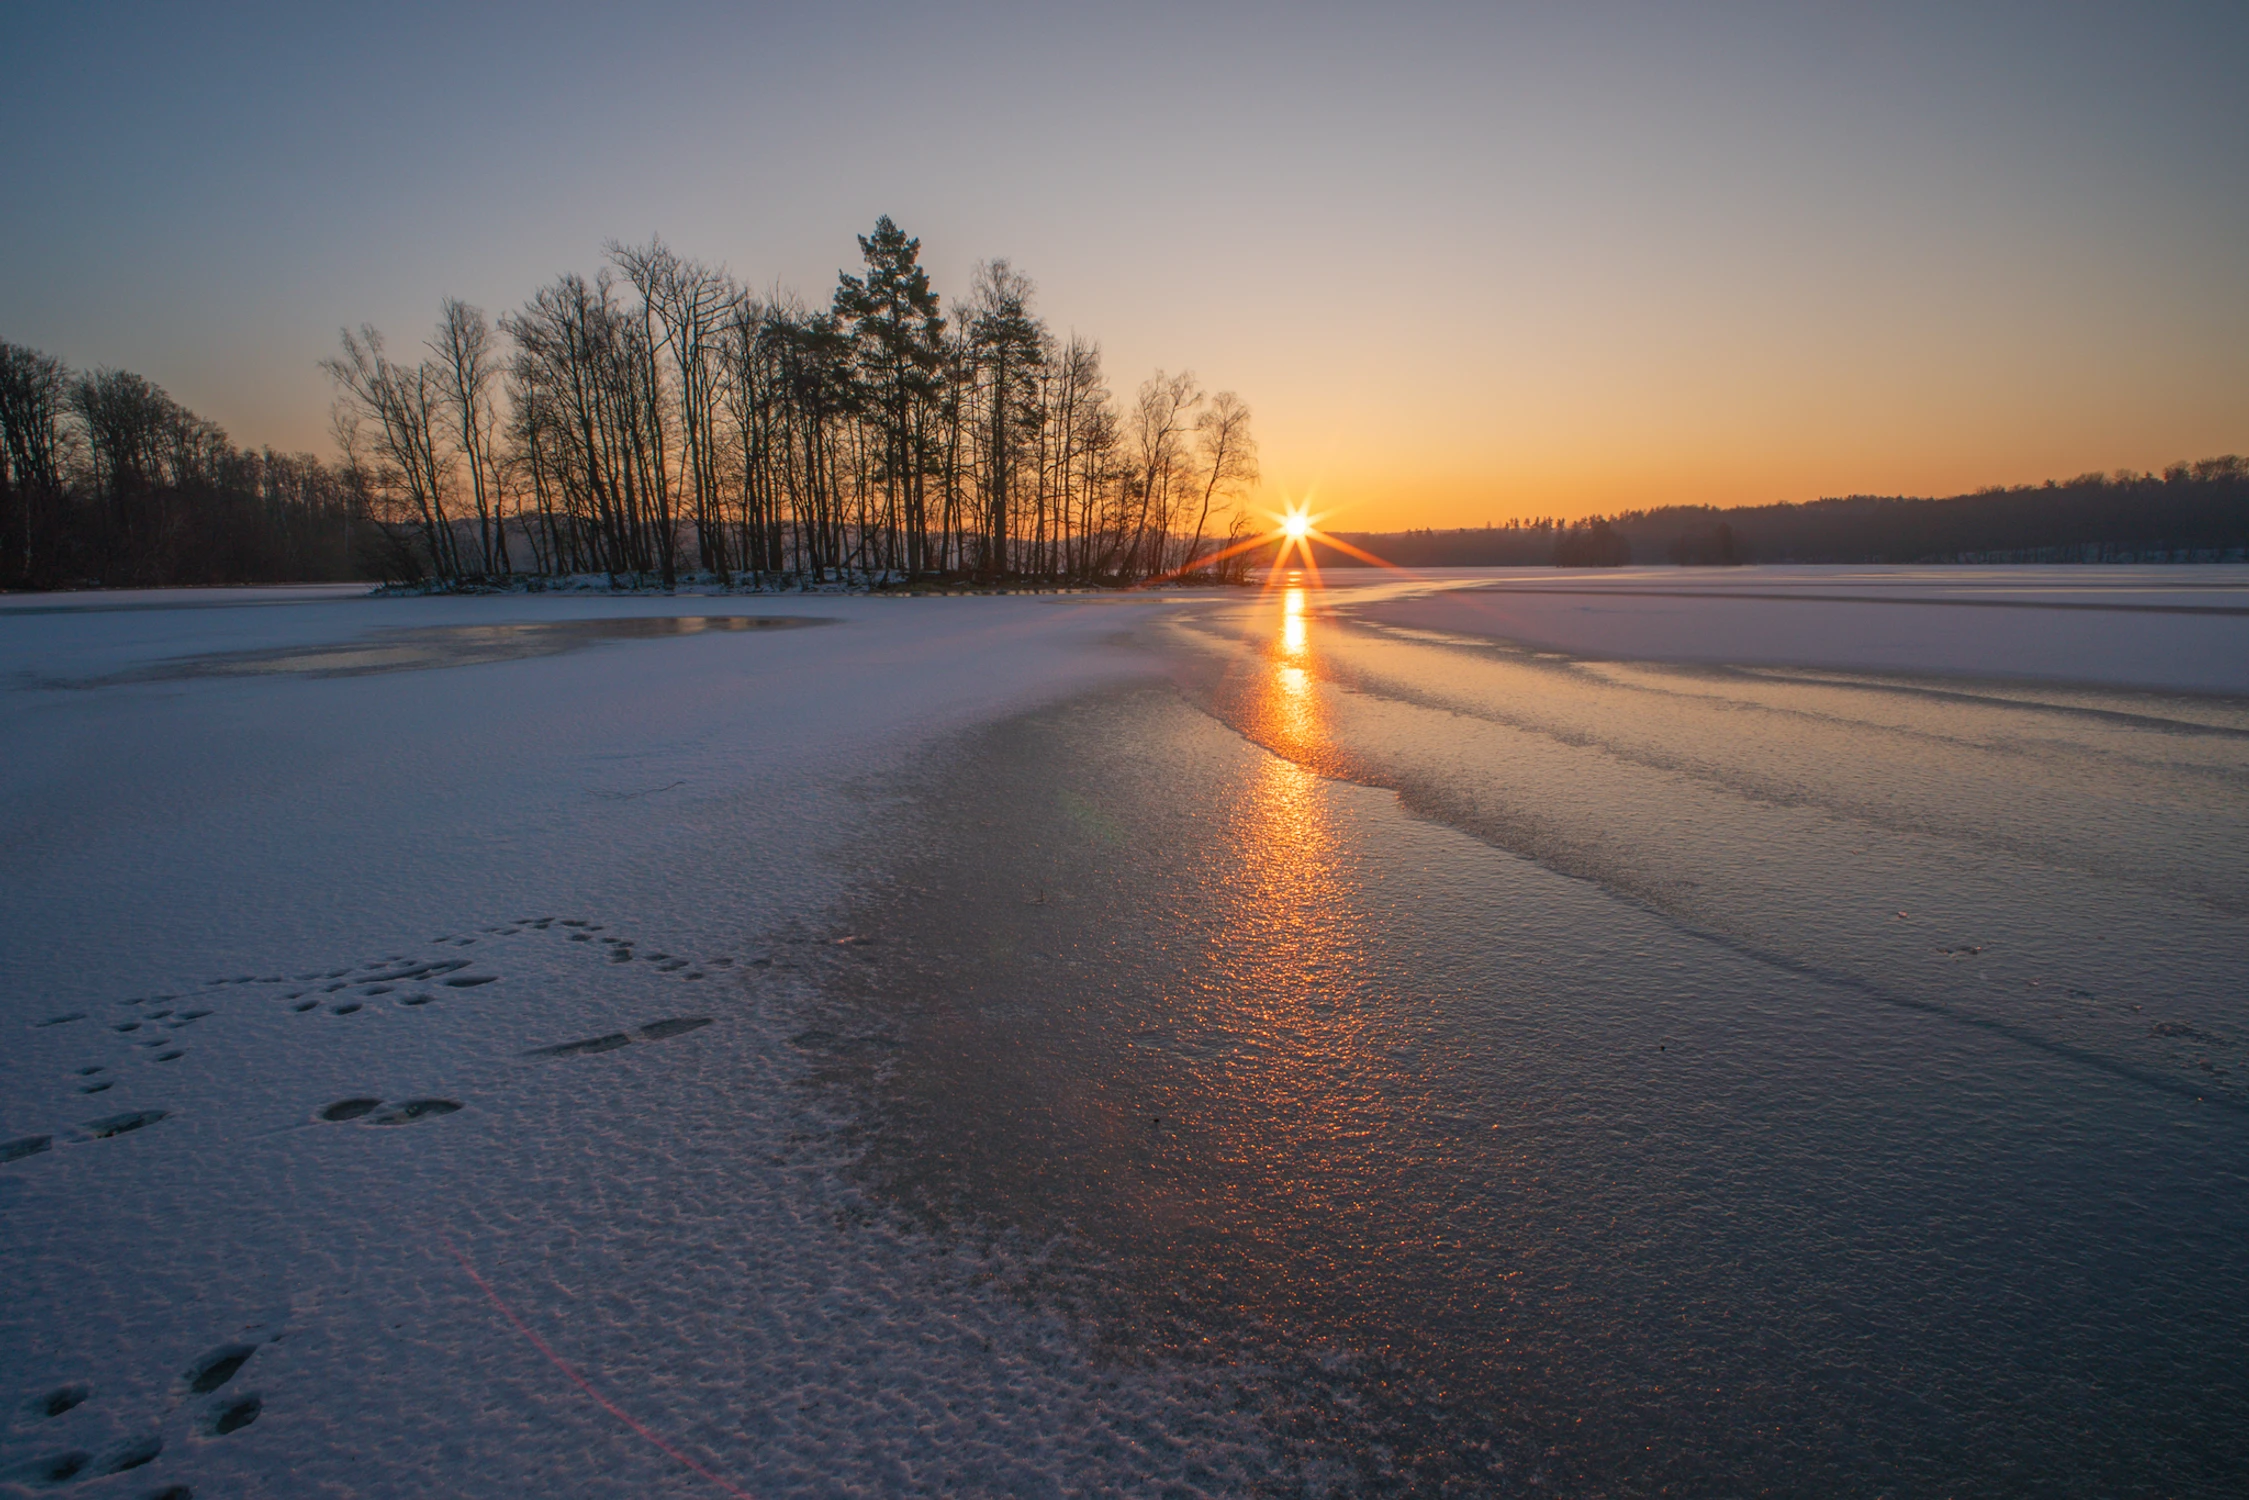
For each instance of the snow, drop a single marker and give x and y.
(2157, 627)
(234, 875)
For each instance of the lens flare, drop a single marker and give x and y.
(1294, 531)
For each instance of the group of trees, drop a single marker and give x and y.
(2191, 512)
(106, 479)
(658, 419)
(654, 421)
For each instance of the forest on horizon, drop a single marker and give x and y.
(2191, 512)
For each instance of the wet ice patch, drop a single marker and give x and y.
(417, 650)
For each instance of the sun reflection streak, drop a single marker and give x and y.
(1288, 710)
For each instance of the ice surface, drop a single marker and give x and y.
(1612, 1077)
(2175, 627)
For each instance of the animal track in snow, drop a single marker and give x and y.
(92, 1130)
(217, 1367)
(113, 1125)
(412, 1110)
(23, 1146)
(654, 1031)
(49, 1469)
(584, 1048)
(148, 1029)
(61, 1399)
(133, 1453)
(234, 1416)
(372, 1110)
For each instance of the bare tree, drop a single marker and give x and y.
(684, 306)
(1162, 415)
(32, 395)
(1007, 346)
(466, 371)
(1228, 452)
(405, 408)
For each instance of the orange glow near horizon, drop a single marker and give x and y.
(1294, 530)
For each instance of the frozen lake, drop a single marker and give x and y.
(1752, 1030)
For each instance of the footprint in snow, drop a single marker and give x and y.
(50, 1469)
(654, 1031)
(125, 1124)
(375, 1112)
(23, 1146)
(234, 1416)
(404, 979)
(61, 1399)
(216, 1368)
(131, 1454)
(92, 1130)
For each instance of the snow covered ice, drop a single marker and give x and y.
(404, 964)
(1046, 1045)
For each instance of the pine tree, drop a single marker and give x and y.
(898, 339)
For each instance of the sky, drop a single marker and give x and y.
(1465, 262)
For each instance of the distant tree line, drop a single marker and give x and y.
(106, 479)
(2196, 512)
(658, 420)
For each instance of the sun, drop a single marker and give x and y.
(1293, 532)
